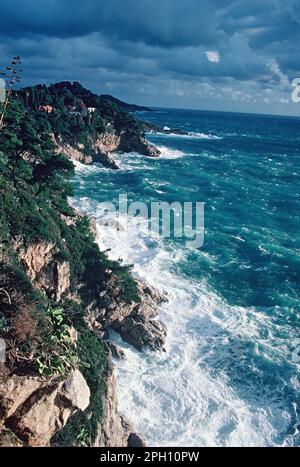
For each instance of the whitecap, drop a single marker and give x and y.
(168, 153)
(185, 397)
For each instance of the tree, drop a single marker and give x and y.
(11, 76)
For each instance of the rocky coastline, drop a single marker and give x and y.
(35, 408)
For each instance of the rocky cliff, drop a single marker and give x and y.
(59, 294)
(33, 409)
(86, 127)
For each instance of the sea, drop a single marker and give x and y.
(230, 372)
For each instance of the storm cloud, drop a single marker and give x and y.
(223, 54)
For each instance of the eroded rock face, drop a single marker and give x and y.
(116, 351)
(75, 153)
(108, 143)
(105, 145)
(112, 431)
(115, 430)
(142, 333)
(131, 142)
(137, 323)
(14, 392)
(34, 409)
(36, 257)
(107, 160)
(44, 270)
(76, 392)
(62, 278)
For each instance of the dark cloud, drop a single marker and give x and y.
(175, 52)
(164, 22)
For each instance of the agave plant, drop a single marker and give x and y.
(11, 76)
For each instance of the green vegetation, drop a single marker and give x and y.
(82, 428)
(34, 190)
(76, 114)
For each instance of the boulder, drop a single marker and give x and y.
(116, 351)
(47, 409)
(136, 440)
(106, 159)
(14, 391)
(76, 391)
(141, 332)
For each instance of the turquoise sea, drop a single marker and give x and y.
(230, 376)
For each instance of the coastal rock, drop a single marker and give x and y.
(115, 429)
(135, 322)
(116, 351)
(62, 279)
(132, 142)
(108, 142)
(141, 332)
(46, 273)
(14, 391)
(113, 432)
(136, 440)
(47, 408)
(107, 160)
(149, 149)
(75, 153)
(76, 392)
(36, 257)
(111, 222)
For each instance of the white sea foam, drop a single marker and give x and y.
(168, 153)
(190, 134)
(180, 398)
(84, 168)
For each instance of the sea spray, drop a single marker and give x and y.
(229, 377)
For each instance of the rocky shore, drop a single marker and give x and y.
(61, 296)
(32, 408)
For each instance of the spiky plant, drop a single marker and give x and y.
(11, 76)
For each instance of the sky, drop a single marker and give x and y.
(232, 55)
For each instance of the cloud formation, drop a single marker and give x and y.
(231, 54)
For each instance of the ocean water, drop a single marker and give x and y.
(230, 373)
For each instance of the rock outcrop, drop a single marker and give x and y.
(105, 146)
(133, 143)
(33, 409)
(115, 430)
(142, 332)
(107, 160)
(137, 323)
(75, 153)
(45, 271)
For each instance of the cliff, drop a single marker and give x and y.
(59, 294)
(86, 127)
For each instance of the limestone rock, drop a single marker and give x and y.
(141, 332)
(35, 409)
(44, 270)
(112, 432)
(106, 159)
(116, 351)
(14, 391)
(108, 142)
(76, 391)
(62, 278)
